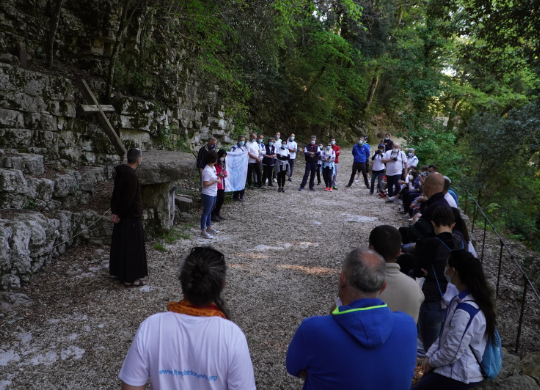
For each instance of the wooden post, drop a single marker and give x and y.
(98, 110)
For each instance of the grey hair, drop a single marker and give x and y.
(447, 183)
(411, 149)
(313, 136)
(364, 277)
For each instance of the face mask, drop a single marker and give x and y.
(410, 154)
(312, 142)
(254, 140)
(241, 143)
(320, 146)
(360, 142)
(222, 158)
(291, 138)
(396, 150)
(380, 150)
(259, 140)
(283, 146)
(277, 136)
(328, 147)
(333, 142)
(270, 143)
(386, 139)
(448, 278)
(212, 146)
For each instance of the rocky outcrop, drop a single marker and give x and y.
(512, 376)
(32, 240)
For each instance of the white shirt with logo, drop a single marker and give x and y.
(253, 148)
(292, 145)
(394, 167)
(182, 352)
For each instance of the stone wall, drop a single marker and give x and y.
(32, 239)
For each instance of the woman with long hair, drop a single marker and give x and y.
(210, 179)
(461, 230)
(194, 345)
(452, 362)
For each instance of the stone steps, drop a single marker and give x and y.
(19, 188)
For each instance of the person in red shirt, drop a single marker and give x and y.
(222, 174)
(336, 149)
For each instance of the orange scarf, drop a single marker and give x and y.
(186, 307)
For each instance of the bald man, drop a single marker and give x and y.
(433, 190)
(326, 351)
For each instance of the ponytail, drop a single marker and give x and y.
(472, 275)
(202, 277)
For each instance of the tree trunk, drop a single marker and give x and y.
(124, 22)
(399, 17)
(371, 91)
(53, 27)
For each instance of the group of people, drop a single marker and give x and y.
(415, 291)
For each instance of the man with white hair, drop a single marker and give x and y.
(361, 340)
(412, 160)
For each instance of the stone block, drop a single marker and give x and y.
(164, 166)
(13, 162)
(11, 118)
(32, 120)
(10, 59)
(13, 181)
(184, 203)
(48, 122)
(90, 177)
(41, 189)
(18, 243)
(160, 197)
(531, 366)
(5, 252)
(32, 163)
(22, 102)
(64, 185)
(521, 382)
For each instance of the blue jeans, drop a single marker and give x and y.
(206, 217)
(378, 175)
(430, 321)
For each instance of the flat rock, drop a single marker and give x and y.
(531, 366)
(160, 166)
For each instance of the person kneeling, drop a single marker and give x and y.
(362, 344)
(194, 345)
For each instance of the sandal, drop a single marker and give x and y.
(137, 283)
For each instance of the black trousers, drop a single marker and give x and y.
(319, 167)
(254, 169)
(311, 169)
(291, 165)
(393, 184)
(267, 174)
(359, 167)
(239, 194)
(220, 199)
(281, 179)
(328, 174)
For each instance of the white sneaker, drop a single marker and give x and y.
(206, 235)
(212, 230)
(356, 180)
(275, 180)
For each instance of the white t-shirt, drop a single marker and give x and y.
(262, 148)
(209, 174)
(181, 352)
(450, 200)
(377, 163)
(277, 144)
(253, 148)
(412, 161)
(292, 145)
(394, 167)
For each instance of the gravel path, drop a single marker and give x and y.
(74, 325)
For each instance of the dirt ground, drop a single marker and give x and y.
(71, 327)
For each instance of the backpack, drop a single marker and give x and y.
(491, 363)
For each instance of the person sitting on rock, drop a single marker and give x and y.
(194, 345)
(362, 344)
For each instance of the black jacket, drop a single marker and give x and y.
(423, 228)
(126, 201)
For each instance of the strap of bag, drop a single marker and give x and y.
(472, 312)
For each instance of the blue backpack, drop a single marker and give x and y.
(491, 363)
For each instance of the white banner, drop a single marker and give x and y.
(237, 167)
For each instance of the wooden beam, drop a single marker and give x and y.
(102, 119)
(87, 109)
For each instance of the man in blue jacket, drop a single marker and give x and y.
(361, 160)
(362, 345)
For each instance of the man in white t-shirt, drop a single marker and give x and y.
(412, 160)
(395, 161)
(277, 142)
(293, 148)
(449, 198)
(254, 171)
